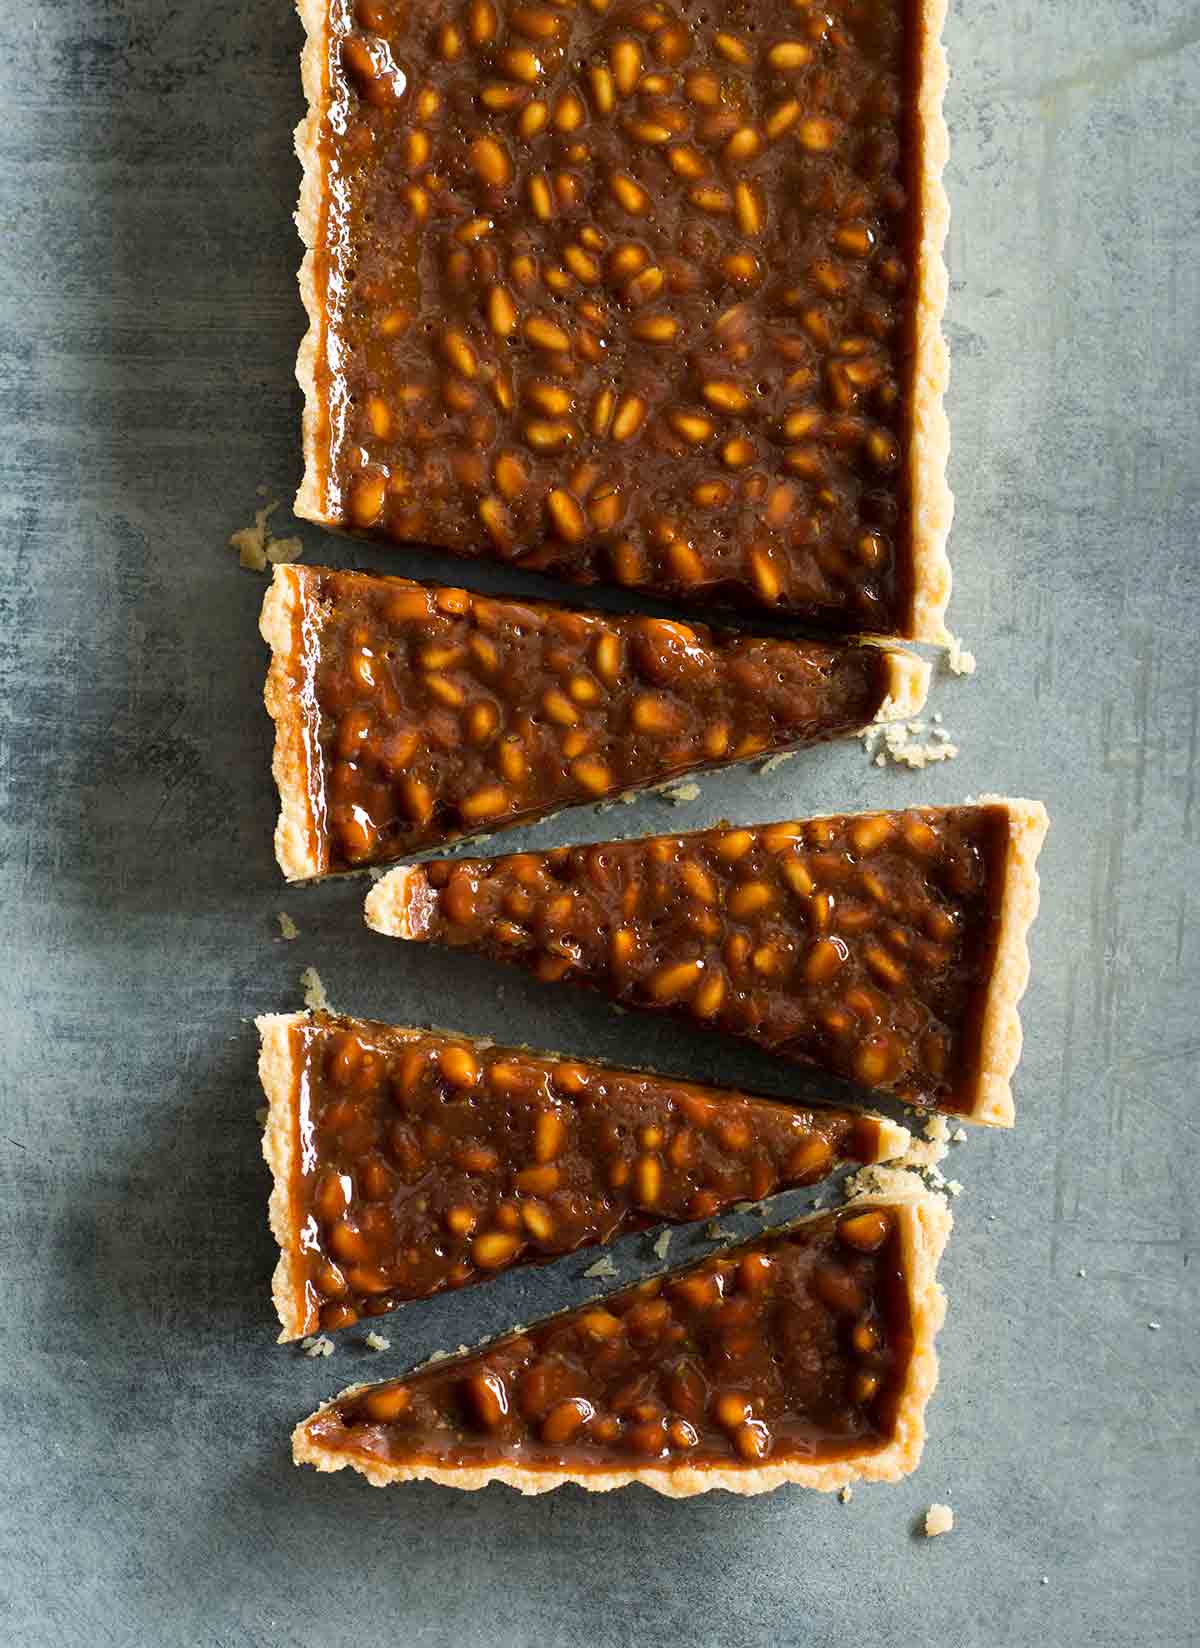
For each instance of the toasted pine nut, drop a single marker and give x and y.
(628, 418)
(626, 60)
(567, 517)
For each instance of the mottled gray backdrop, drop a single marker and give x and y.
(148, 322)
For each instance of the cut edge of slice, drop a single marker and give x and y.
(281, 1149)
(924, 1224)
(311, 503)
(298, 849)
(932, 503)
(401, 903)
(278, 1073)
(1001, 1036)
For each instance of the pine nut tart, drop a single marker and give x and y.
(408, 716)
(407, 1161)
(889, 948)
(806, 1355)
(623, 292)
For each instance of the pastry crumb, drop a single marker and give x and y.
(939, 1519)
(314, 991)
(773, 761)
(959, 661)
(847, 1494)
(715, 1234)
(287, 927)
(661, 1244)
(317, 1345)
(257, 549)
(959, 1136)
(680, 794)
(1081, 1271)
(880, 1180)
(900, 742)
(954, 1187)
(1154, 1326)
(602, 1267)
(376, 1341)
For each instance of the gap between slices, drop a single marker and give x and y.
(636, 296)
(806, 1355)
(406, 1161)
(886, 948)
(407, 716)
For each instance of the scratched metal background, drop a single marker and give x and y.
(148, 319)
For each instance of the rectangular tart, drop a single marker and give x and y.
(806, 1355)
(407, 716)
(887, 948)
(519, 1157)
(632, 294)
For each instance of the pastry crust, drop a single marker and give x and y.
(311, 502)
(281, 1147)
(924, 1224)
(1000, 1032)
(906, 688)
(932, 503)
(299, 844)
(401, 904)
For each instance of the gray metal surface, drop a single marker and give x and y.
(148, 321)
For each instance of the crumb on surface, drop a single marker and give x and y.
(602, 1267)
(679, 794)
(314, 991)
(954, 1187)
(1082, 1271)
(714, 1232)
(376, 1341)
(661, 1243)
(939, 1519)
(1154, 1326)
(959, 1136)
(847, 1494)
(900, 742)
(959, 661)
(773, 761)
(287, 927)
(256, 548)
(317, 1345)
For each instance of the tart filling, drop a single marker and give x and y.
(632, 294)
(803, 1356)
(407, 1162)
(407, 716)
(888, 948)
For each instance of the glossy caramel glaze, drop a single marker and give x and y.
(432, 712)
(794, 1346)
(627, 293)
(861, 944)
(426, 1161)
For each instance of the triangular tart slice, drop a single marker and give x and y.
(407, 716)
(806, 1356)
(407, 1162)
(888, 948)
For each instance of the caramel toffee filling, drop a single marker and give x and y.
(627, 292)
(423, 1162)
(793, 1347)
(433, 712)
(865, 945)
